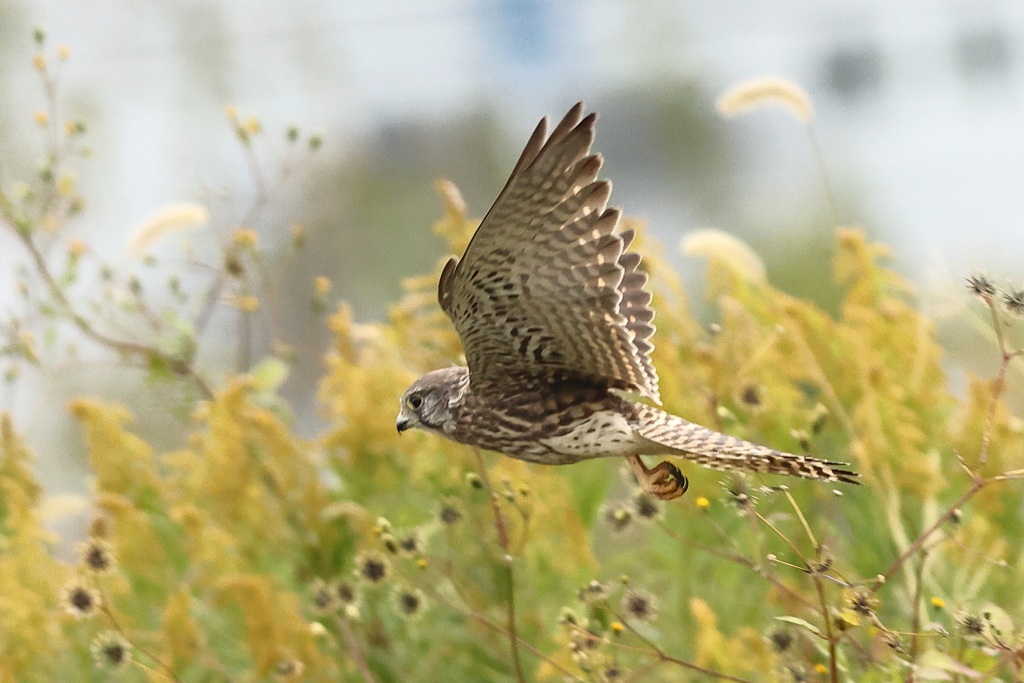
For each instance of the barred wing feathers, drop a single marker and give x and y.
(545, 290)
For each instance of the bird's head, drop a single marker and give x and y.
(427, 404)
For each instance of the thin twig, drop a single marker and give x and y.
(126, 347)
(740, 560)
(662, 656)
(830, 195)
(833, 665)
(354, 649)
(499, 525)
(117, 627)
(923, 538)
(915, 619)
(465, 611)
(800, 514)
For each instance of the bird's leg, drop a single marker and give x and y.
(664, 480)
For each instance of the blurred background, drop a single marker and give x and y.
(919, 117)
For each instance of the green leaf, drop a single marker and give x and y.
(803, 623)
(939, 663)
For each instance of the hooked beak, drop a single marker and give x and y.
(403, 423)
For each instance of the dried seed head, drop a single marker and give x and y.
(892, 641)
(372, 566)
(619, 515)
(390, 543)
(595, 590)
(449, 514)
(781, 640)
(1014, 301)
(646, 506)
(971, 624)
(639, 605)
(739, 492)
(346, 593)
(862, 602)
(111, 651)
(97, 555)
(751, 395)
(411, 543)
(323, 598)
(982, 287)
(79, 599)
(289, 668)
(409, 602)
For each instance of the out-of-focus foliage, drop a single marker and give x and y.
(360, 555)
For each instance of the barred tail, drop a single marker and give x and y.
(722, 452)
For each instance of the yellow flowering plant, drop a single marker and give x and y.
(248, 552)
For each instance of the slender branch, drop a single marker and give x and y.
(915, 619)
(210, 300)
(499, 525)
(117, 627)
(354, 649)
(978, 485)
(830, 195)
(498, 628)
(126, 347)
(800, 514)
(833, 665)
(243, 359)
(741, 560)
(664, 657)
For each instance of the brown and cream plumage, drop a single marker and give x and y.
(555, 324)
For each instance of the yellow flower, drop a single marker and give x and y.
(39, 62)
(245, 302)
(231, 112)
(76, 247)
(820, 668)
(703, 503)
(252, 125)
(66, 184)
(322, 285)
(245, 237)
(617, 627)
(41, 117)
(938, 603)
(63, 51)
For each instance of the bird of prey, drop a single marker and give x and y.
(556, 327)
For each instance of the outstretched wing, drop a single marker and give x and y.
(545, 289)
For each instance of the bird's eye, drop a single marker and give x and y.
(414, 401)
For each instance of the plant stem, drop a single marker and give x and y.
(126, 347)
(662, 656)
(499, 525)
(353, 647)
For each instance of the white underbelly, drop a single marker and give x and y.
(603, 434)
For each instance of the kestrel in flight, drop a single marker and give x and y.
(556, 325)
